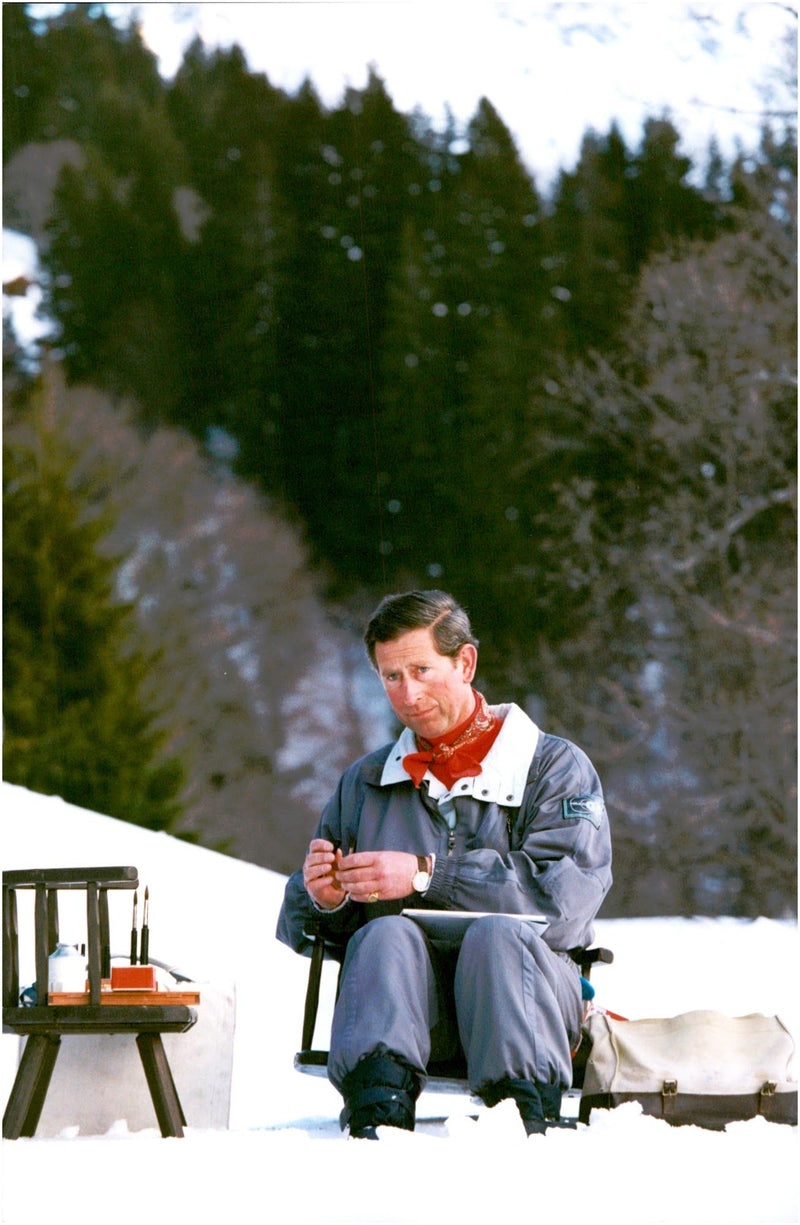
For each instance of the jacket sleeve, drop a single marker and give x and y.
(298, 909)
(559, 859)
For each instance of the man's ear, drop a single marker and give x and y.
(468, 659)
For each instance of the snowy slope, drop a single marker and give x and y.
(283, 1159)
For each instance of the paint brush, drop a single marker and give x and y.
(134, 936)
(145, 952)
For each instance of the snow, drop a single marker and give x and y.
(20, 258)
(283, 1157)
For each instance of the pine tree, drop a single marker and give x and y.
(112, 262)
(664, 206)
(115, 244)
(25, 81)
(227, 120)
(590, 260)
(461, 352)
(610, 214)
(342, 178)
(76, 724)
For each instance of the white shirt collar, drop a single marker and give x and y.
(504, 769)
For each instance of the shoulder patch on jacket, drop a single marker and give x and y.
(589, 807)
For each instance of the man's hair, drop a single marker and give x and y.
(414, 610)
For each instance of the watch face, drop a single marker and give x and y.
(420, 882)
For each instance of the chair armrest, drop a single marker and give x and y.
(586, 958)
(335, 944)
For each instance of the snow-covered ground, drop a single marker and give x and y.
(282, 1158)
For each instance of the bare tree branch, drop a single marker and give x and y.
(754, 632)
(722, 538)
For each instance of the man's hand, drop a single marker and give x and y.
(320, 874)
(370, 876)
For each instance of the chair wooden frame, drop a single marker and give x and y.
(444, 1077)
(43, 1024)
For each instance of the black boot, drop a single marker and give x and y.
(381, 1091)
(539, 1105)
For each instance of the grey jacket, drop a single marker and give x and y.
(529, 835)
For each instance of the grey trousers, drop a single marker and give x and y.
(505, 999)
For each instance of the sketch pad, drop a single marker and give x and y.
(450, 925)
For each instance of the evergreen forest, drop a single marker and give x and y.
(305, 356)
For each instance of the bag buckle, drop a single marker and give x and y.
(669, 1091)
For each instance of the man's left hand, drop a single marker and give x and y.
(371, 876)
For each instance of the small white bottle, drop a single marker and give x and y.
(66, 969)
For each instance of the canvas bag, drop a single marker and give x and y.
(699, 1068)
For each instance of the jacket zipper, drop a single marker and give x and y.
(433, 808)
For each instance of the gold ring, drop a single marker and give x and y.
(373, 897)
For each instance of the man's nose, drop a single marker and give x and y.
(411, 691)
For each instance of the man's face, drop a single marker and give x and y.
(429, 692)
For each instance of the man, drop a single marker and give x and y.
(474, 808)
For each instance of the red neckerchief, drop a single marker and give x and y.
(458, 754)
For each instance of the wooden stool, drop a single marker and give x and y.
(44, 1023)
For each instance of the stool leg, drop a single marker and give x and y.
(30, 1087)
(175, 1091)
(162, 1087)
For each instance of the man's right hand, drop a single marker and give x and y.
(318, 874)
